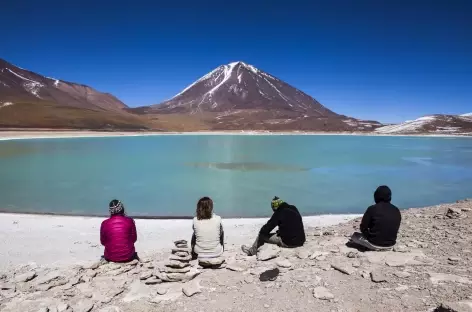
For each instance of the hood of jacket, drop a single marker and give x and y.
(383, 194)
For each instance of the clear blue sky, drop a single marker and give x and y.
(384, 60)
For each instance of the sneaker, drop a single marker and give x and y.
(247, 250)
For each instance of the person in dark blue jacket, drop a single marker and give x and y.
(291, 232)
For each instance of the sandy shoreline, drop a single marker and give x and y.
(53, 134)
(57, 241)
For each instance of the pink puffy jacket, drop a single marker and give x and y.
(118, 235)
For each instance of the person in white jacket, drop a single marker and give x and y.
(208, 235)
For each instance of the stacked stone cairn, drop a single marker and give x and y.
(178, 267)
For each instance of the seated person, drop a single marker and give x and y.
(291, 233)
(208, 235)
(118, 235)
(380, 223)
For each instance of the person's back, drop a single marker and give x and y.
(291, 229)
(208, 235)
(118, 235)
(381, 222)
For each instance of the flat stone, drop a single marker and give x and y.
(455, 213)
(93, 266)
(110, 309)
(161, 290)
(7, 286)
(153, 281)
(402, 288)
(177, 258)
(249, 279)
(343, 268)
(268, 252)
(62, 307)
(25, 277)
(235, 268)
(303, 254)
(180, 242)
(46, 309)
(174, 270)
(402, 274)
(181, 253)
(210, 262)
(322, 293)
(137, 291)
(377, 277)
(175, 250)
(454, 259)
(352, 254)
(169, 296)
(436, 278)
(178, 277)
(319, 254)
(177, 264)
(191, 288)
(284, 264)
(91, 273)
(84, 306)
(145, 275)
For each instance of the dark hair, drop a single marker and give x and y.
(116, 207)
(204, 208)
(383, 194)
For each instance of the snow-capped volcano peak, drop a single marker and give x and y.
(239, 85)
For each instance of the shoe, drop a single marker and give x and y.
(247, 250)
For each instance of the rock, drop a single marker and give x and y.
(50, 280)
(235, 268)
(303, 254)
(181, 253)
(7, 286)
(174, 270)
(110, 309)
(84, 306)
(152, 281)
(177, 258)
(93, 266)
(284, 264)
(25, 277)
(319, 254)
(402, 274)
(62, 307)
(455, 213)
(211, 262)
(161, 290)
(268, 252)
(175, 250)
(453, 260)
(145, 275)
(343, 268)
(436, 278)
(178, 277)
(191, 289)
(180, 242)
(322, 293)
(356, 264)
(352, 254)
(377, 277)
(177, 264)
(91, 273)
(249, 279)
(266, 306)
(461, 306)
(400, 248)
(137, 291)
(46, 309)
(401, 288)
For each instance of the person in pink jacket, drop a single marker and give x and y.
(118, 235)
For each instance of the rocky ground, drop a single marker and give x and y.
(429, 270)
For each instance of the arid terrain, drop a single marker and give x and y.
(428, 270)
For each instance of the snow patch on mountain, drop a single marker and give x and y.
(467, 115)
(407, 126)
(31, 86)
(5, 104)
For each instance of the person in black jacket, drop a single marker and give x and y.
(380, 223)
(290, 234)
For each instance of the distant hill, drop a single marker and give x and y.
(433, 124)
(28, 99)
(238, 96)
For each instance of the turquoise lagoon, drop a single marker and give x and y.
(164, 176)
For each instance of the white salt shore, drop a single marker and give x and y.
(45, 134)
(58, 241)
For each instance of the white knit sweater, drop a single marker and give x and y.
(207, 233)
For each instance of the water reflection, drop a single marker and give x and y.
(248, 166)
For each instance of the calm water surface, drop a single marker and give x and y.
(165, 175)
